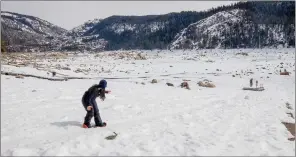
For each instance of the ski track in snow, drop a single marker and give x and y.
(152, 119)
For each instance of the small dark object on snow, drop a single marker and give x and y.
(34, 90)
(284, 73)
(111, 137)
(291, 139)
(291, 115)
(170, 84)
(251, 82)
(19, 76)
(185, 85)
(288, 105)
(66, 68)
(54, 73)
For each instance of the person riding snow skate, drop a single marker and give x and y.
(90, 105)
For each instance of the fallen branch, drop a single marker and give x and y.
(50, 70)
(254, 89)
(41, 77)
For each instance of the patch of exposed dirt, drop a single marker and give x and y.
(291, 129)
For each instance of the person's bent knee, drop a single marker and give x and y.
(97, 113)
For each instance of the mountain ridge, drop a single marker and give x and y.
(270, 22)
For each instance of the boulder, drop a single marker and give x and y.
(154, 81)
(170, 84)
(206, 84)
(284, 73)
(185, 85)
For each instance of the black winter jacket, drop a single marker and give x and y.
(91, 94)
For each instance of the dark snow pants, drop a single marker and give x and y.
(94, 112)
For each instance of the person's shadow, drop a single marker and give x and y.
(67, 123)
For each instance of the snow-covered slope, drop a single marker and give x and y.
(136, 28)
(210, 26)
(19, 29)
(121, 30)
(80, 30)
(43, 118)
(230, 28)
(77, 41)
(28, 33)
(83, 43)
(242, 25)
(30, 24)
(116, 27)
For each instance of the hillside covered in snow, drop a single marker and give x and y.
(240, 25)
(246, 25)
(23, 31)
(230, 29)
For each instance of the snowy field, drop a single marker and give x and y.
(42, 117)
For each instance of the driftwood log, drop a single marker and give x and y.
(41, 77)
(284, 73)
(254, 89)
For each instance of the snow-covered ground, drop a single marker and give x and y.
(41, 117)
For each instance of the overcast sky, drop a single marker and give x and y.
(69, 14)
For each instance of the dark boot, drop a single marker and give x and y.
(102, 125)
(98, 120)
